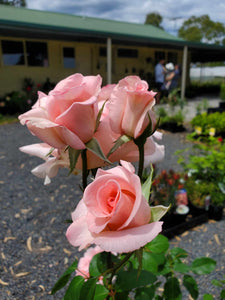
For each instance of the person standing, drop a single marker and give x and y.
(159, 74)
(159, 77)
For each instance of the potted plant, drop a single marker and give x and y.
(207, 177)
(168, 189)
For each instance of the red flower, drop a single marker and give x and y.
(170, 181)
(29, 88)
(176, 176)
(220, 139)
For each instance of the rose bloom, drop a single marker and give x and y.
(49, 169)
(113, 213)
(84, 262)
(67, 115)
(130, 103)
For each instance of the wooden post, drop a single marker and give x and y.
(109, 60)
(184, 72)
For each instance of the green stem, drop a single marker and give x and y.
(84, 168)
(141, 160)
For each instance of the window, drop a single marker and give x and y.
(12, 52)
(159, 55)
(68, 57)
(130, 53)
(172, 57)
(37, 54)
(102, 51)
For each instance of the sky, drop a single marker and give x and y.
(174, 12)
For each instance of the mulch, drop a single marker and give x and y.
(34, 250)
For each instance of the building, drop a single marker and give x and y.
(40, 45)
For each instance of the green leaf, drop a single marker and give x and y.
(73, 157)
(73, 291)
(191, 285)
(145, 293)
(178, 253)
(146, 186)
(101, 292)
(98, 264)
(160, 244)
(119, 142)
(203, 265)
(207, 297)
(50, 152)
(181, 267)
(99, 116)
(172, 289)
(158, 211)
(126, 281)
(152, 261)
(64, 278)
(88, 289)
(139, 254)
(94, 147)
(216, 282)
(222, 294)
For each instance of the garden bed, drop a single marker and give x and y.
(175, 224)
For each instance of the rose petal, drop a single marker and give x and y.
(128, 240)
(78, 234)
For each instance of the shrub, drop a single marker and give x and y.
(207, 121)
(222, 91)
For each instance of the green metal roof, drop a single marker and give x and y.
(14, 16)
(16, 21)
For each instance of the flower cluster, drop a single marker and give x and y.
(85, 127)
(78, 111)
(166, 185)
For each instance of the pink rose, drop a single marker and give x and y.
(113, 213)
(84, 262)
(67, 115)
(47, 170)
(130, 102)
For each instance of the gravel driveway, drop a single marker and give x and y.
(34, 251)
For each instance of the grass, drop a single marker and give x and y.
(8, 119)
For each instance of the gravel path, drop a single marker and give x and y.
(33, 249)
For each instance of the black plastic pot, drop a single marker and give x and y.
(195, 211)
(172, 126)
(215, 212)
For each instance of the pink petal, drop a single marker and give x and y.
(128, 240)
(78, 234)
(40, 150)
(80, 119)
(80, 211)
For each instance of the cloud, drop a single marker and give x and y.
(173, 12)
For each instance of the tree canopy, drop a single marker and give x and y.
(16, 3)
(154, 19)
(202, 29)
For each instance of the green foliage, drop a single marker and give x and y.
(63, 280)
(164, 187)
(206, 121)
(222, 91)
(196, 88)
(154, 19)
(13, 103)
(122, 275)
(206, 173)
(202, 28)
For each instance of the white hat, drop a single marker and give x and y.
(170, 66)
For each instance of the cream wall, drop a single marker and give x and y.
(87, 62)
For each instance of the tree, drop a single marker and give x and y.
(202, 29)
(16, 3)
(154, 19)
